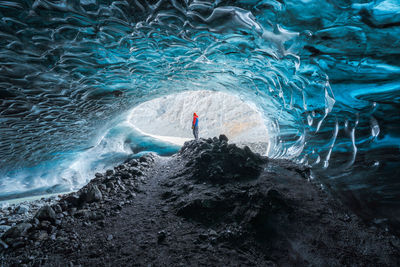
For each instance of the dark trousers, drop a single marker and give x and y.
(196, 132)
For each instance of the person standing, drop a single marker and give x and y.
(195, 126)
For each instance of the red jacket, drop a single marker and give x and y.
(195, 120)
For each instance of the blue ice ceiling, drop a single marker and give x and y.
(327, 73)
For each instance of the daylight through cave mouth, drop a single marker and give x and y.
(169, 118)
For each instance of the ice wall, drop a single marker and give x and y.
(326, 73)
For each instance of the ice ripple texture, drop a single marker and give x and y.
(325, 72)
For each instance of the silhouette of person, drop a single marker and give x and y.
(195, 126)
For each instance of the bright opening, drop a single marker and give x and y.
(169, 119)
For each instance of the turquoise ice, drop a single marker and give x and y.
(324, 76)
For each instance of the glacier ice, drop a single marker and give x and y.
(323, 75)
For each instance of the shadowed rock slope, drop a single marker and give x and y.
(212, 204)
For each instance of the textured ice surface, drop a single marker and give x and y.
(325, 74)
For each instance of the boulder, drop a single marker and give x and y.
(93, 194)
(17, 231)
(22, 209)
(57, 208)
(146, 158)
(46, 213)
(109, 172)
(110, 185)
(135, 171)
(73, 199)
(4, 228)
(44, 225)
(223, 137)
(102, 187)
(125, 175)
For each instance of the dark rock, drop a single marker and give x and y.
(167, 195)
(63, 204)
(57, 208)
(82, 213)
(135, 171)
(144, 164)
(44, 225)
(125, 175)
(21, 209)
(161, 235)
(35, 222)
(117, 207)
(102, 187)
(133, 162)
(221, 163)
(223, 137)
(203, 237)
(72, 211)
(122, 187)
(261, 210)
(40, 236)
(52, 229)
(46, 213)
(95, 216)
(212, 232)
(93, 194)
(206, 156)
(4, 228)
(110, 237)
(205, 210)
(3, 244)
(17, 231)
(131, 195)
(110, 185)
(73, 200)
(109, 172)
(147, 158)
(18, 243)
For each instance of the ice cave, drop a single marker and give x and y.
(86, 85)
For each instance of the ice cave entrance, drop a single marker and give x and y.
(169, 119)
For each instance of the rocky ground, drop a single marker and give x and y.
(212, 204)
(13, 214)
